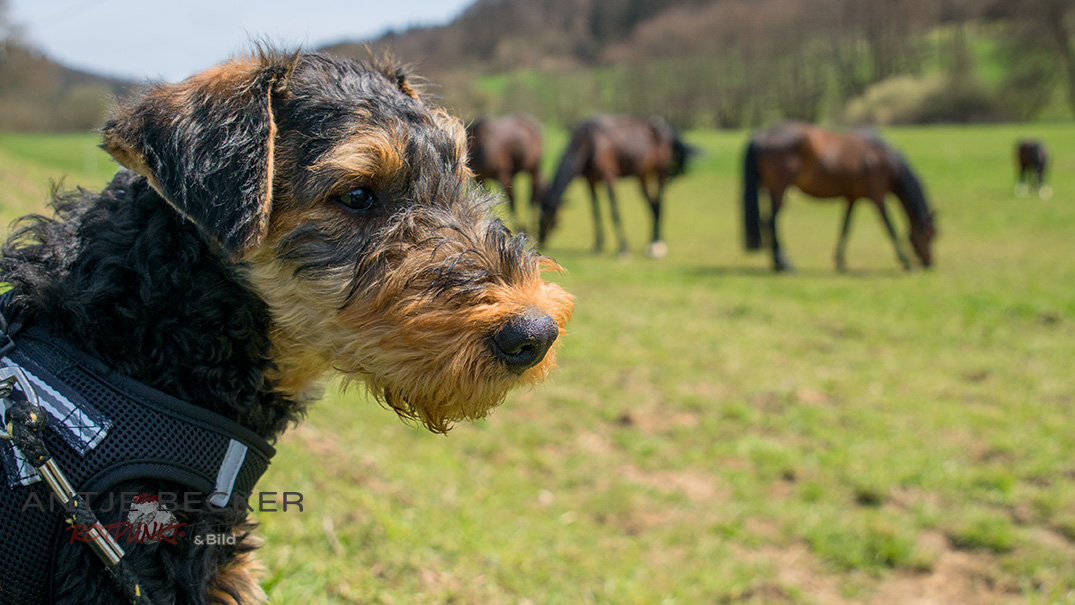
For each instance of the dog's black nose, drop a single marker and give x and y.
(523, 342)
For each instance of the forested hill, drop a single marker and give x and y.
(514, 34)
(36, 93)
(735, 63)
(700, 63)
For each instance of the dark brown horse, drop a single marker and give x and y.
(502, 147)
(606, 148)
(1031, 159)
(825, 164)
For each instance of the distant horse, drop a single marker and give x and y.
(606, 148)
(832, 165)
(501, 147)
(1031, 158)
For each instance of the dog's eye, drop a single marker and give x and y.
(358, 199)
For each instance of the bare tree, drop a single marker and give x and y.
(5, 29)
(1038, 24)
(1055, 16)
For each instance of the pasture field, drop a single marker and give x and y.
(717, 433)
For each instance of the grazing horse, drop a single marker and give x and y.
(606, 148)
(501, 147)
(1031, 158)
(825, 164)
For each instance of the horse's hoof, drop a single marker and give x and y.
(624, 254)
(1046, 192)
(1021, 190)
(657, 249)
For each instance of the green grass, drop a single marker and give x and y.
(31, 163)
(717, 433)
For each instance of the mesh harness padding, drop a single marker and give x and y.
(151, 435)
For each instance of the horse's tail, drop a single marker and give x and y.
(751, 210)
(571, 165)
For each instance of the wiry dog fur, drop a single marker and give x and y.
(225, 268)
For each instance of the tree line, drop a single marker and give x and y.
(738, 63)
(711, 63)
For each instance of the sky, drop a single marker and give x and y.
(172, 39)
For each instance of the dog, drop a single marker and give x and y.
(283, 217)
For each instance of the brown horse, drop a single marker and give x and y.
(832, 165)
(606, 148)
(1031, 159)
(502, 147)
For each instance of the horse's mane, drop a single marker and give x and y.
(908, 187)
(571, 164)
(905, 183)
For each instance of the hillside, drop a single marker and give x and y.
(700, 63)
(500, 35)
(736, 63)
(38, 94)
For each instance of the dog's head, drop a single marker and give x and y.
(346, 203)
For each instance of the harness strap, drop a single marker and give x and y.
(130, 431)
(137, 432)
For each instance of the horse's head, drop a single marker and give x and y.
(908, 188)
(547, 217)
(922, 234)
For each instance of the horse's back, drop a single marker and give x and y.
(510, 143)
(823, 163)
(636, 145)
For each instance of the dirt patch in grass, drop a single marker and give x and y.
(696, 485)
(655, 421)
(957, 578)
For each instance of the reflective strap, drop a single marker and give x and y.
(86, 431)
(81, 426)
(229, 470)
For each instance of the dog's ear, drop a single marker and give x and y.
(206, 145)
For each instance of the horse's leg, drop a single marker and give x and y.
(536, 191)
(1045, 192)
(657, 247)
(1021, 186)
(507, 182)
(892, 233)
(845, 230)
(614, 209)
(776, 199)
(598, 234)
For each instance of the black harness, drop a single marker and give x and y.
(103, 429)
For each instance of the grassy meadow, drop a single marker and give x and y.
(717, 433)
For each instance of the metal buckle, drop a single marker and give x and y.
(10, 377)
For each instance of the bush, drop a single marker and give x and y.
(923, 100)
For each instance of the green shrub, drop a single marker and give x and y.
(923, 100)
